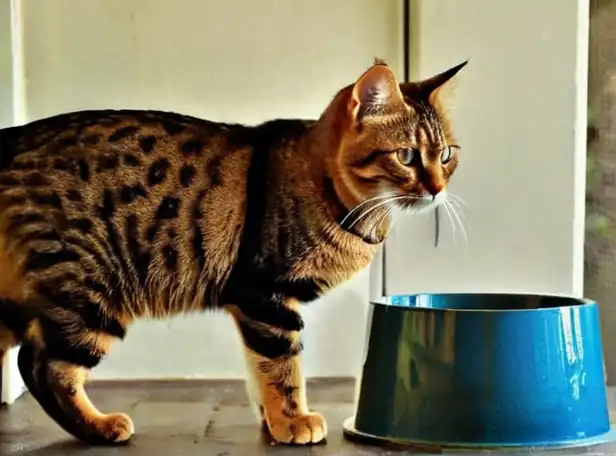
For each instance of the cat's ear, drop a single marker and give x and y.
(376, 92)
(436, 87)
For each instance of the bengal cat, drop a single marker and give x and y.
(111, 216)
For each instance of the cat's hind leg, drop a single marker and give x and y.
(54, 361)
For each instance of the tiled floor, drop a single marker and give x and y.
(190, 418)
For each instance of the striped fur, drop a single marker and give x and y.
(111, 216)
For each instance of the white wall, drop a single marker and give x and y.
(10, 379)
(521, 122)
(521, 111)
(6, 65)
(228, 60)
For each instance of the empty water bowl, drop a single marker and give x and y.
(482, 371)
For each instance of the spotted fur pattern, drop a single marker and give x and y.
(111, 216)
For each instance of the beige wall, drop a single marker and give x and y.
(233, 60)
(6, 65)
(11, 384)
(520, 120)
(229, 60)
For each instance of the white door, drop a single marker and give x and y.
(521, 122)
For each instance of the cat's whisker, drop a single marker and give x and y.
(382, 203)
(460, 223)
(457, 221)
(409, 210)
(379, 220)
(459, 200)
(371, 226)
(369, 200)
(446, 205)
(360, 205)
(455, 201)
(396, 214)
(456, 204)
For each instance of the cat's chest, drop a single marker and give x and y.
(333, 265)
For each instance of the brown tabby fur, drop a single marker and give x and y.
(110, 216)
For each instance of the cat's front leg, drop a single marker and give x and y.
(271, 336)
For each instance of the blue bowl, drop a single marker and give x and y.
(483, 371)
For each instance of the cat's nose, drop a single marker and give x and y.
(434, 190)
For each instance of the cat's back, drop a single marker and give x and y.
(140, 160)
(93, 132)
(143, 200)
(107, 147)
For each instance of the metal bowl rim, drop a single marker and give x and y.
(579, 302)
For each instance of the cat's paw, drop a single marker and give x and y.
(115, 428)
(304, 429)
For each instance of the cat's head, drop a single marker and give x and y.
(394, 140)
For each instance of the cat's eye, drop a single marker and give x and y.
(446, 155)
(406, 156)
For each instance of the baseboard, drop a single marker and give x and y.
(209, 381)
(13, 387)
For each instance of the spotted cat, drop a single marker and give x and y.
(111, 216)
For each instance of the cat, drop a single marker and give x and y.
(110, 216)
